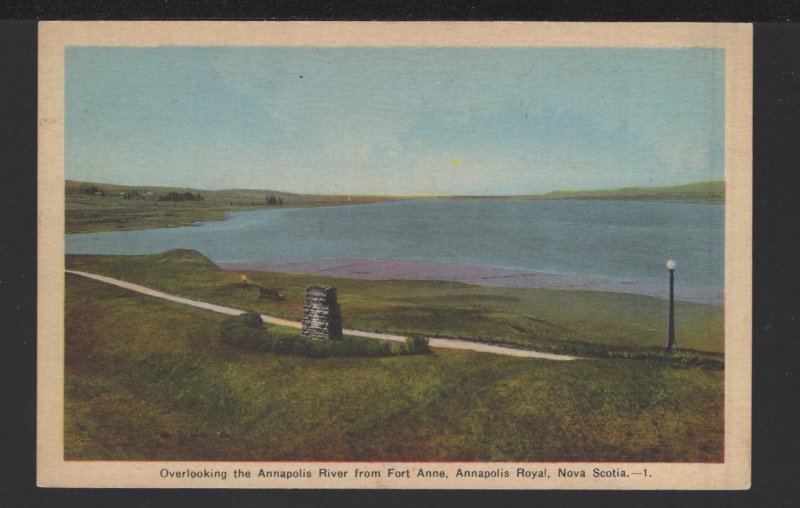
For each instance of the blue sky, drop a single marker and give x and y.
(478, 121)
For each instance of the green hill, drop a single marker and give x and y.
(700, 192)
(713, 191)
(92, 206)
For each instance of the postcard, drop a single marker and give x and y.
(387, 255)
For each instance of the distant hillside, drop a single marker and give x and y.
(93, 206)
(702, 191)
(243, 197)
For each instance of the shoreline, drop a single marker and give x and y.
(387, 269)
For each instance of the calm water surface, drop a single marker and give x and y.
(607, 239)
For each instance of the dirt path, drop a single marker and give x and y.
(434, 341)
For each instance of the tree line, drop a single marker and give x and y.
(181, 196)
(94, 190)
(90, 189)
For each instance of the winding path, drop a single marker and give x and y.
(434, 341)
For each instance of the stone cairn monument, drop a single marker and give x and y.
(322, 318)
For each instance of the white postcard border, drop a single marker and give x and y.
(735, 39)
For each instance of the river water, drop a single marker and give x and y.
(616, 240)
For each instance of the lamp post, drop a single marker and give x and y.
(671, 331)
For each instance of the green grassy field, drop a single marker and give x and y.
(566, 321)
(111, 212)
(147, 379)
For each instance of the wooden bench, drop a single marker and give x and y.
(269, 293)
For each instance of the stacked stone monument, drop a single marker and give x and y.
(322, 318)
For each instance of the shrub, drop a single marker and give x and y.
(398, 349)
(248, 331)
(245, 330)
(417, 345)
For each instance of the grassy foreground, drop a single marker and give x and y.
(556, 320)
(147, 379)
